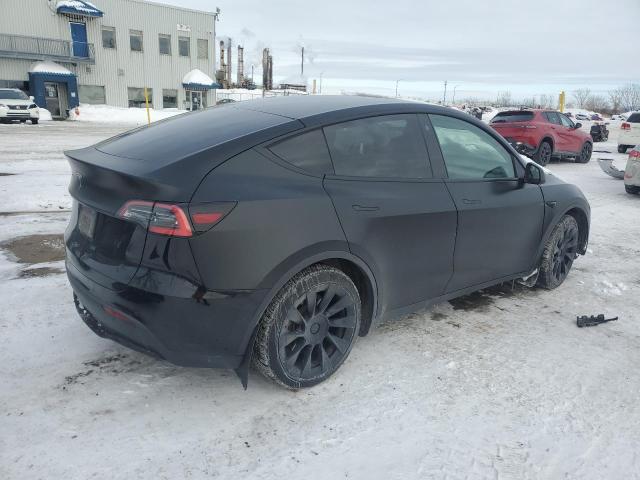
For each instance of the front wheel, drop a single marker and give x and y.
(543, 155)
(559, 253)
(585, 153)
(309, 328)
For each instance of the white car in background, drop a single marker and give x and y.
(629, 132)
(16, 105)
(622, 118)
(632, 172)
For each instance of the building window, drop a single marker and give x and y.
(164, 42)
(169, 98)
(135, 40)
(203, 48)
(184, 45)
(136, 97)
(92, 94)
(108, 37)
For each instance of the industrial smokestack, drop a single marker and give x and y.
(240, 66)
(229, 66)
(302, 64)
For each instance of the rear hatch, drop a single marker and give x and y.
(511, 124)
(630, 130)
(161, 163)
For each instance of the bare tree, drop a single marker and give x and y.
(581, 96)
(503, 99)
(615, 99)
(597, 103)
(630, 97)
(529, 102)
(547, 101)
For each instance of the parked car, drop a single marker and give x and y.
(569, 114)
(581, 116)
(16, 105)
(632, 171)
(279, 230)
(544, 134)
(222, 101)
(597, 117)
(629, 135)
(618, 118)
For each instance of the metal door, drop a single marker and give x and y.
(79, 39)
(52, 98)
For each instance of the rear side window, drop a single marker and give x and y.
(307, 152)
(469, 152)
(634, 118)
(389, 146)
(552, 117)
(515, 116)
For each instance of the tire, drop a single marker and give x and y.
(585, 153)
(309, 328)
(559, 252)
(34, 121)
(632, 189)
(622, 149)
(543, 155)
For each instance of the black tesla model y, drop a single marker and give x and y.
(277, 231)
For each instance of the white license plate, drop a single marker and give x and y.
(86, 221)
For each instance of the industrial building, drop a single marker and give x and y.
(66, 52)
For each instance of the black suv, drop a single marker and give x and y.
(279, 230)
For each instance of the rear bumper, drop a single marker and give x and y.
(207, 329)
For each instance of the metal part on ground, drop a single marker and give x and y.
(606, 164)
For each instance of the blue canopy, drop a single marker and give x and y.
(78, 7)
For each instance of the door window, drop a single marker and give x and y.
(566, 121)
(386, 146)
(307, 151)
(469, 152)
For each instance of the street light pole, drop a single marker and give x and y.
(397, 81)
(453, 100)
(444, 98)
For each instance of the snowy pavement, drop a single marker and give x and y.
(497, 385)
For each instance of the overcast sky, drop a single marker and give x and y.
(528, 47)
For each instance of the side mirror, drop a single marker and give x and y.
(533, 174)
(577, 125)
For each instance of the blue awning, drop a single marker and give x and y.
(78, 7)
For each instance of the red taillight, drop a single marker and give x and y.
(634, 154)
(161, 218)
(625, 126)
(117, 314)
(172, 220)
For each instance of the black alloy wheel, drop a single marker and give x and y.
(543, 155)
(308, 330)
(585, 153)
(561, 249)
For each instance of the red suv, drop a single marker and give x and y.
(542, 134)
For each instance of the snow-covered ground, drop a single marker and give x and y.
(497, 385)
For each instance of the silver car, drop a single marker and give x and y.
(16, 105)
(632, 171)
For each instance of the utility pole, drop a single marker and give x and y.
(444, 98)
(302, 64)
(453, 100)
(397, 81)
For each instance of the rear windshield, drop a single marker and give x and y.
(13, 95)
(634, 118)
(516, 116)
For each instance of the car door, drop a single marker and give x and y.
(396, 216)
(499, 217)
(572, 142)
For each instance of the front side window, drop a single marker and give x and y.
(135, 40)
(552, 117)
(164, 44)
(469, 152)
(390, 146)
(566, 121)
(307, 152)
(136, 97)
(203, 48)
(184, 45)
(169, 98)
(108, 37)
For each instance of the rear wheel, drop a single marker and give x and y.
(632, 189)
(34, 121)
(309, 328)
(543, 155)
(559, 253)
(585, 153)
(622, 149)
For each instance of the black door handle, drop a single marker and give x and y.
(468, 201)
(365, 208)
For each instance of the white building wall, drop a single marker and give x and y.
(121, 68)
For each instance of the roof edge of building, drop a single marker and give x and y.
(173, 7)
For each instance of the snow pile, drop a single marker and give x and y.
(49, 67)
(81, 6)
(109, 114)
(197, 77)
(45, 115)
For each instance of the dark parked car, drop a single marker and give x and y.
(279, 230)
